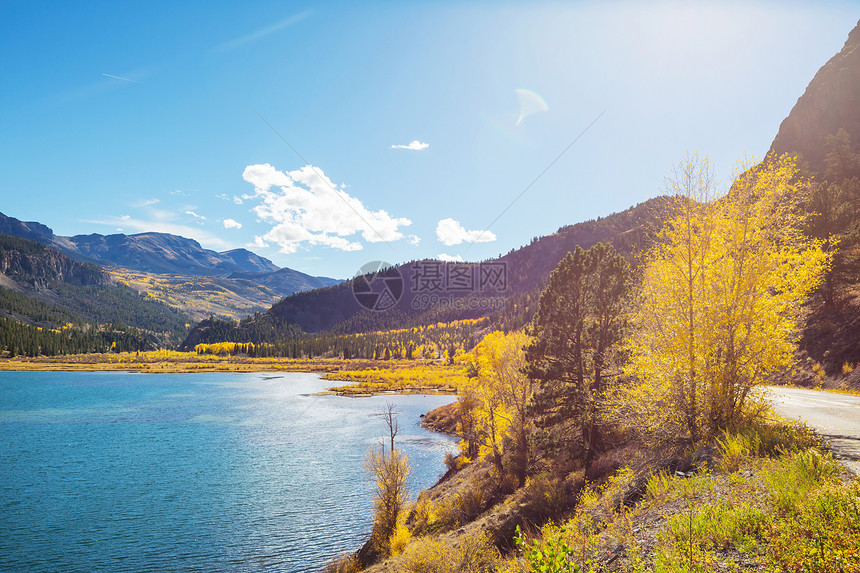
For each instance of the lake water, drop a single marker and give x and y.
(192, 472)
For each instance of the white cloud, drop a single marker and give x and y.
(146, 202)
(305, 207)
(414, 145)
(451, 232)
(258, 243)
(449, 258)
(178, 192)
(232, 224)
(195, 215)
(414, 240)
(235, 198)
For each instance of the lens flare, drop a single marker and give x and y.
(530, 103)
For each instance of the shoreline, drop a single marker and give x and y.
(357, 378)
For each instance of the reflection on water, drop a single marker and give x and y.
(203, 472)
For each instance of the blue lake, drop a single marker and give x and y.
(192, 472)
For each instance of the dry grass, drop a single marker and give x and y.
(173, 361)
(400, 376)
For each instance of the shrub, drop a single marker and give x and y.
(657, 486)
(545, 497)
(390, 471)
(425, 517)
(735, 449)
(426, 556)
(450, 461)
(472, 554)
(465, 506)
(344, 563)
(400, 537)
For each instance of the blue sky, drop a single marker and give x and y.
(326, 135)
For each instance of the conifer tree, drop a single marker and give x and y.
(577, 327)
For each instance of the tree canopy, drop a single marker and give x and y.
(721, 296)
(578, 324)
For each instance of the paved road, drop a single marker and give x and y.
(834, 416)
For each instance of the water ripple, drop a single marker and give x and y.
(209, 472)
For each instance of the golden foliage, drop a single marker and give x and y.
(401, 377)
(495, 398)
(390, 470)
(473, 553)
(720, 299)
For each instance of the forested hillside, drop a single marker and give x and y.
(51, 304)
(504, 289)
(823, 130)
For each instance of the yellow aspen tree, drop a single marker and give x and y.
(504, 361)
(499, 393)
(721, 295)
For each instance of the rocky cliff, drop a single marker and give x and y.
(37, 266)
(831, 101)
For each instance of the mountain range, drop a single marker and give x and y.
(231, 284)
(160, 253)
(47, 280)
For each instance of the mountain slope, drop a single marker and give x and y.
(51, 303)
(831, 102)
(148, 252)
(32, 263)
(285, 280)
(26, 230)
(251, 262)
(163, 253)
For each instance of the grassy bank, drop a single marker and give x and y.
(400, 376)
(765, 499)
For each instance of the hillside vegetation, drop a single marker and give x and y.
(627, 429)
(50, 304)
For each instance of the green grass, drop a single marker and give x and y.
(772, 501)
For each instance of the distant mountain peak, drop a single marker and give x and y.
(151, 251)
(26, 229)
